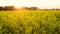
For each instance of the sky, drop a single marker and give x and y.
(43, 4)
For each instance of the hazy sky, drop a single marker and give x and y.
(29, 3)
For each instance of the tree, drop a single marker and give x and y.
(24, 8)
(33, 8)
(9, 8)
(1, 8)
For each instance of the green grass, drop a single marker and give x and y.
(30, 22)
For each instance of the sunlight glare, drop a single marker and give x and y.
(29, 3)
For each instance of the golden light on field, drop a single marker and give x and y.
(29, 3)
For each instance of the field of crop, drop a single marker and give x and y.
(30, 22)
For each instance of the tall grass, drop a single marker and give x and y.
(30, 22)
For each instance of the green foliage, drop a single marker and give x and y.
(30, 22)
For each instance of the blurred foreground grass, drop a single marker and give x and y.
(30, 22)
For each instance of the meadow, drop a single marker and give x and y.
(30, 22)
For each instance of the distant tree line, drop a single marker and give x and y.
(7, 8)
(13, 8)
(36, 8)
(29, 8)
(23, 8)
